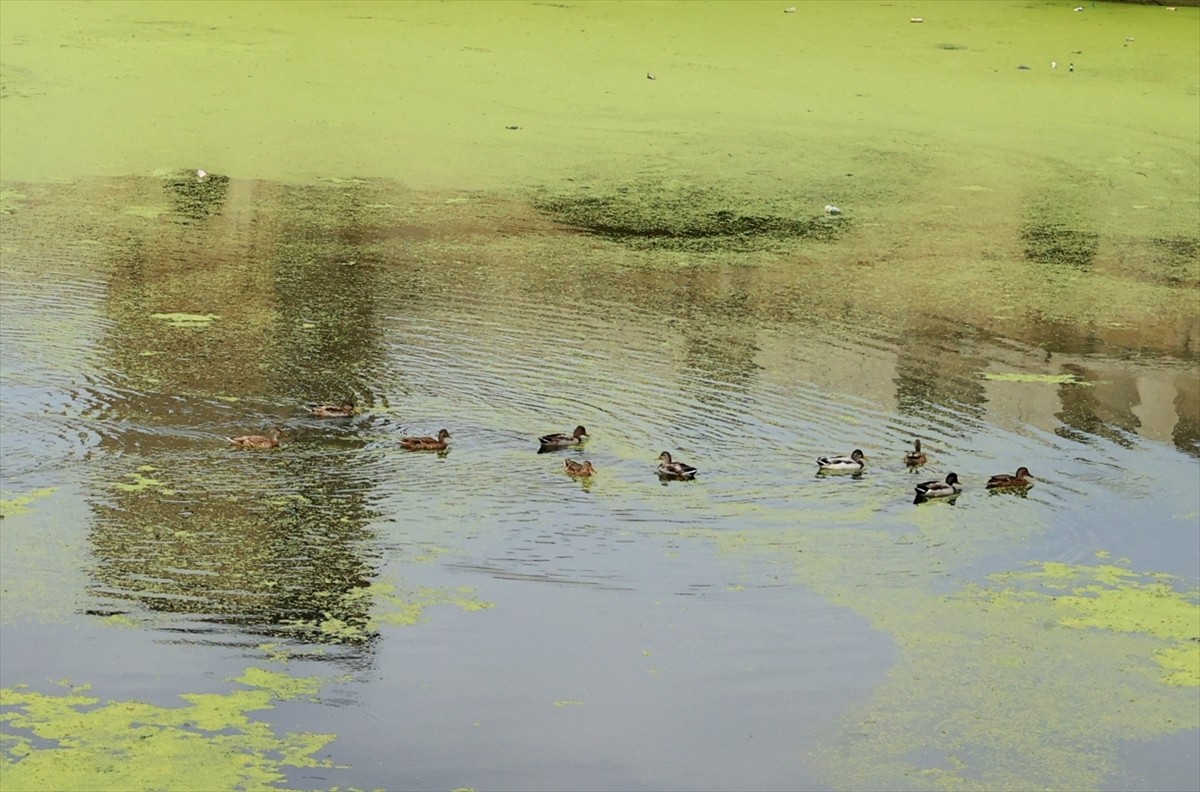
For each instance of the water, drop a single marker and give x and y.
(478, 618)
(1012, 280)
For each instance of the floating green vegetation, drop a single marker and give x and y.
(675, 215)
(186, 319)
(1054, 242)
(381, 604)
(10, 507)
(73, 741)
(141, 482)
(1032, 680)
(1114, 598)
(147, 212)
(1013, 376)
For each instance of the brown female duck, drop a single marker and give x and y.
(1005, 481)
(343, 410)
(553, 442)
(669, 469)
(916, 456)
(578, 469)
(257, 441)
(426, 443)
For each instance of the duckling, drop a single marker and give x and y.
(1005, 481)
(939, 489)
(578, 469)
(257, 441)
(426, 443)
(553, 442)
(916, 456)
(343, 410)
(854, 462)
(674, 470)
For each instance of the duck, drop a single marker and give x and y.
(916, 456)
(257, 441)
(669, 469)
(939, 489)
(1005, 481)
(553, 442)
(426, 443)
(853, 462)
(343, 410)
(578, 469)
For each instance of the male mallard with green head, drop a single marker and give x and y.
(842, 464)
(939, 489)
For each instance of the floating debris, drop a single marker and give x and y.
(1022, 67)
(790, 10)
(916, 20)
(1053, 64)
(650, 76)
(832, 210)
(512, 126)
(201, 174)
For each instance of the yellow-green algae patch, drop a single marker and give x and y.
(994, 686)
(141, 482)
(358, 614)
(73, 741)
(186, 319)
(1116, 599)
(10, 507)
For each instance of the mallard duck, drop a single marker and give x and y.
(578, 469)
(553, 442)
(426, 443)
(674, 470)
(343, 410)
(854, 462)
(1005, 481)
(916, 456)
(257, 441)
(939, 489)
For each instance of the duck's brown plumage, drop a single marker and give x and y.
(426, 443)
(342, 410)
(670, 469)
(916, 456)
(257, 441)
(1005, 481)
(578, 469)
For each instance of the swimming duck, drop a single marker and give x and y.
(674, 470)
(578, 469)
(939, 489)
(854, 462)
(553, 442)
(257, 441)
(343, 410)
(425, 443)
(1005, 481)
(916, 456)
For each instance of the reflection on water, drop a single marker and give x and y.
(170, 314)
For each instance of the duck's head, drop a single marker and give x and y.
(442, 434)
(952, 478)
(665, 457)
(857, 455)
(1023, 472)
(580, 432)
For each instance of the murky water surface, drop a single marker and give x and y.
(340, 612)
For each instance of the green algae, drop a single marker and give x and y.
(10, 507)
(383, 604)
(74, 741)
(186, 319)
(1116, 599)
(1111, 650)
(142, 483)
(281, 685)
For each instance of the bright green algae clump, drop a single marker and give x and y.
(10, 507)
(211, 743)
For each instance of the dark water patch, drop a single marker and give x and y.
(1049, 239)
(1177, 259)
(653, 215)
